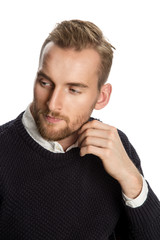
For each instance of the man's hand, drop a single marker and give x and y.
(103, 141)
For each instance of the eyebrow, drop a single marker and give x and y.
(40, 73)
(80, 85)
(75, 84)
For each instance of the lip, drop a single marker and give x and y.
(53, 119)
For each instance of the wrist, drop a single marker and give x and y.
(138, 201)
(132, 185)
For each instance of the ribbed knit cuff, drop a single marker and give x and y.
(147, 216)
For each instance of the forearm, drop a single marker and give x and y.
(131, 181)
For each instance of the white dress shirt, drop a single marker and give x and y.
(30, 126)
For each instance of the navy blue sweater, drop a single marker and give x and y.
(56, 196)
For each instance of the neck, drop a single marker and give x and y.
(69, 141)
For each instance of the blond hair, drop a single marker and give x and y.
(79, 35)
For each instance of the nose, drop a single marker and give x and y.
(55, 101)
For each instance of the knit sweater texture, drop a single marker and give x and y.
(63, 196)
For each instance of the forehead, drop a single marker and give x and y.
(86, 60)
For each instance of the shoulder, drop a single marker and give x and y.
(8, 128)
(130, 149)
(5, 127)
(123, 138)
(125, 141)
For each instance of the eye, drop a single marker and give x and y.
(74, 91)
(45, 83)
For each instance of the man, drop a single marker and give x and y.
(63, 174)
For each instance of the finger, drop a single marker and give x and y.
(93, 133)
(94, 141)
(95, 125)
(91, 150)
(110, 134)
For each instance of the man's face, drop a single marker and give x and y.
(65, 91)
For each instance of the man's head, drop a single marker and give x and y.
(80, 35)
(69, 82)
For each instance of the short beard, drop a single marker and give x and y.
(53, 135)
(60, 134)
(47, 131)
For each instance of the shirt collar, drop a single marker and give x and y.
(31, 128)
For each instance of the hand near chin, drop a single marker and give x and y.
(103, 141)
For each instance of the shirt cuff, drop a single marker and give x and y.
(137, 202)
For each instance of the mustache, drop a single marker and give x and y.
(54, 114)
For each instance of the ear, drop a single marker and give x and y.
(104, 96)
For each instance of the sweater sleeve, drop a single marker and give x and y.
(143, 222)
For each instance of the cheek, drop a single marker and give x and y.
(85, 103)
(40, 96)
(81, 101)
(36, 92)
(81, 109)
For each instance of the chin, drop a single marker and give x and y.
(55, 135)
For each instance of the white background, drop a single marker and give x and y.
(133, 27)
